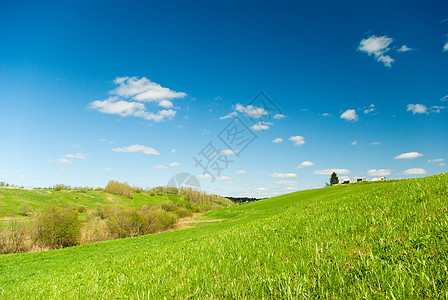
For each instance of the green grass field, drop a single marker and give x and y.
(11, 199)
(369, 240)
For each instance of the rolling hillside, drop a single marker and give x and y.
(372, 240)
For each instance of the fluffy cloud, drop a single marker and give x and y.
(287, 182)
(350, 115)
(173, 150)
(378, 47)
(404, 48)
(129, 97)
(137, 148)
(354, 143)
(297, 140)
(261, 126)
(279, 116)
(445, 47)
(436, 109)
(228, 152)
(380, 172)
(305, 164)
(175, 164)
(283, 175)
(444, 98)
(277, 140)
(408, 155)
(414, 171)
(436, 160)
(330, 171)
(417, 109)
(251, 111)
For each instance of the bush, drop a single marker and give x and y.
(58, 226)
(126, 223)
(95, 230)
(82, 209)
(182, 213)
(13, 239)
(24, 209)
(169, 206)
(118, 188)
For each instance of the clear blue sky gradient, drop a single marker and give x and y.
(56, 58)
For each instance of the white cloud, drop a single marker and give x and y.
(279, 116)
(441, 164)
(228, 116)
(143, 90)
(375, 143)
(380, 172)
(444, 98)
(137, 148)
(166, 104)
(77, 155)
(378, 46)
(283, 175)
(326, 114)
(404, 48)
(436, 109)
(277, 140)
(228, 152)
(8, 171)
(330, 171)
(261, 126)
(262, 189)
(305, 164)
(118, 107)
(251, 111)
(445, 47)
(240, 172)
(160, 167)
(175, 164)
(64, 161)
(370, 109)
(204, 176)
(297, 140)
(350, 115)
(354, 143)
(417, 109)
(436, 160)
(291, 188)
(408, 155)
(173, 150)
(129, 97)
(109, 169)
(414, 171)
(287, 182)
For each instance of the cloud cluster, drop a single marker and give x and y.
(305, 164)
(67, 158)
(130, 96)
(377, 46)
(380, 172)
(283, 175)
(350, 115)
(297, 140)
(137, 148)
(251, 111)
(408, 155)
(277, 140)
(417, 108)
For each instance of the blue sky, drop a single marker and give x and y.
(134, 91)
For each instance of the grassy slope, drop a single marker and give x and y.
(364, 240)
(12, 198)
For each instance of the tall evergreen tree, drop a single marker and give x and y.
(334, 179)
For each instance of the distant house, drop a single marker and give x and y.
(379, 178)
(361, 179)
(346, 180)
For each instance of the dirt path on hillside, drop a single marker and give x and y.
(185, 223)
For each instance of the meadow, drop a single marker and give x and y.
(369, 240)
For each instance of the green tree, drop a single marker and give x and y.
(334, 178)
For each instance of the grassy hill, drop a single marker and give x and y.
(369, 240)
(11, 199)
